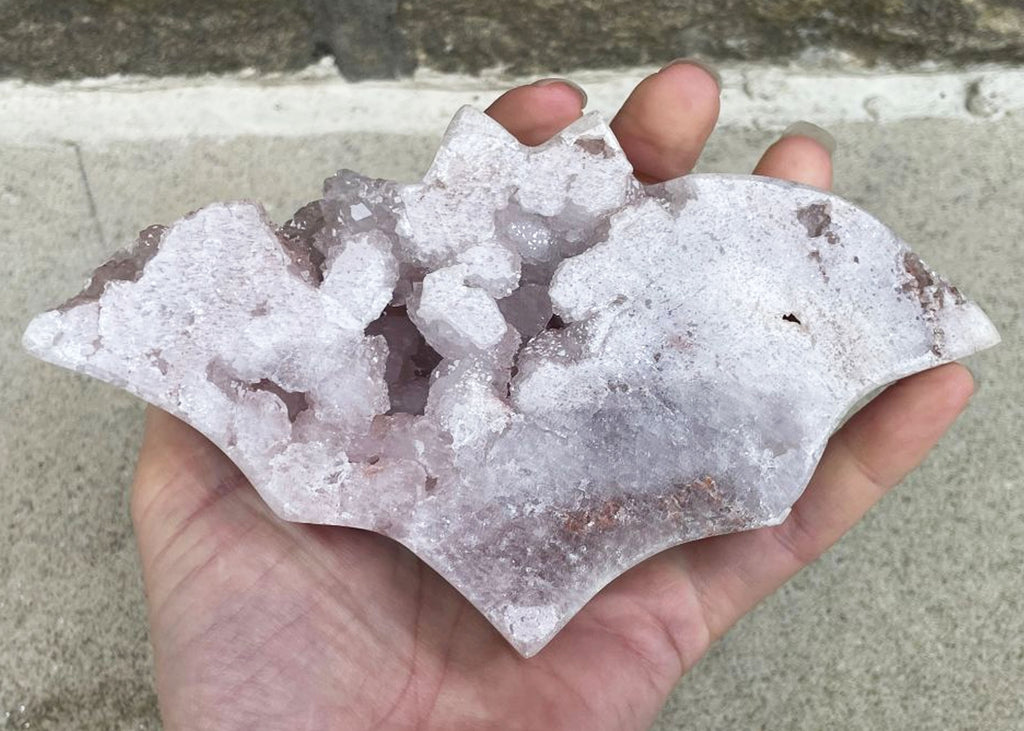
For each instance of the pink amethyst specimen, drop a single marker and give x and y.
(531, 369)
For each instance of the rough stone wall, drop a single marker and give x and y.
(529, 35)
(49, 39)
(52, 39)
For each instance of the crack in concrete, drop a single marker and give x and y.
(90, 198)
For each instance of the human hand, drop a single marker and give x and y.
(260, 623)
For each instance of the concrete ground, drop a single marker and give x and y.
(915, 620)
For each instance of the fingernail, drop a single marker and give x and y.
(571, 84)
(712, 71)
(805, 129)
(974, 380)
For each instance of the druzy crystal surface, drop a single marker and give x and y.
(531, 369)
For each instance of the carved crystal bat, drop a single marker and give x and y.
(530, 369)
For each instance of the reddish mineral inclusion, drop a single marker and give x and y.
(529, 368)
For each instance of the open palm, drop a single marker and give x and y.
(259, 623)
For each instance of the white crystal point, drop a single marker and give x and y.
(530, 369)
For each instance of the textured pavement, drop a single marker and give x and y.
(915, 620)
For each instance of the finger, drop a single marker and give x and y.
(179, 473)
(665, 122)
(536, 112)
(802, 155)
(170, 447)
(868, 456)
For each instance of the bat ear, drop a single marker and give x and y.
(591, 133)
(470, 120)
(473, 142)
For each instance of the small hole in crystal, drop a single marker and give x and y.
(791, 318)
(410, 363)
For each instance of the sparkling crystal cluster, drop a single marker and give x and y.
(529, 368)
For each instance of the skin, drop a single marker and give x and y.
(259, 623)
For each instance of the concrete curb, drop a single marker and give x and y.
(316, 101)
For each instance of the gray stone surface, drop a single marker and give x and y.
(74, 651)
(43, 39)
(363, 36)
(532, 35)
(913, 621)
